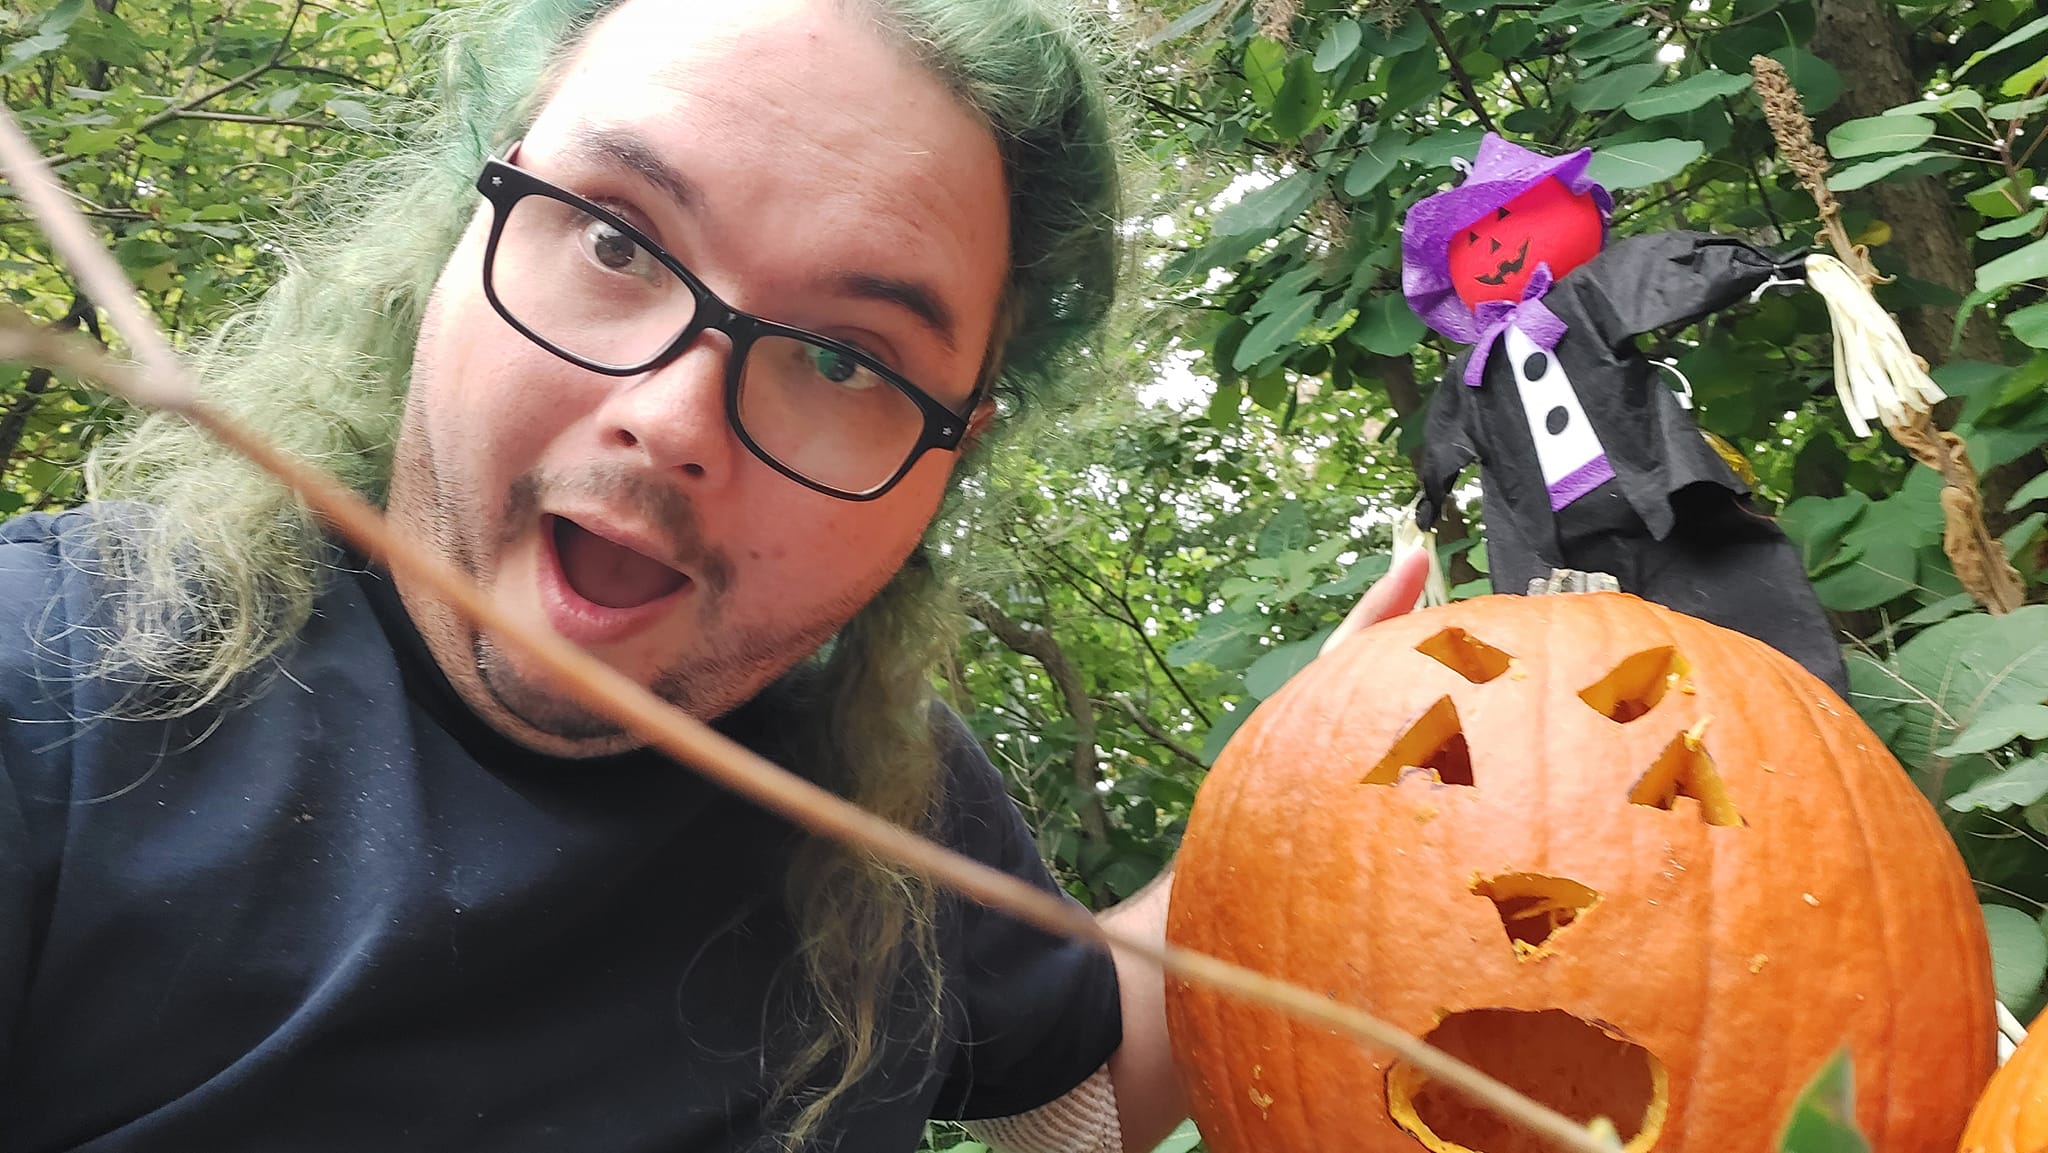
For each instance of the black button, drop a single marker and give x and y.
(1534, 367)
(1555, 420)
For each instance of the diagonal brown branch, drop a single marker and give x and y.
(1040, 645)
(163, 384)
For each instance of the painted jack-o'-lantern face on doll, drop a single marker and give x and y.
(1493, 257)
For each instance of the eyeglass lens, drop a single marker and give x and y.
(588, 289)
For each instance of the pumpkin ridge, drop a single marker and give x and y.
(1886, 898)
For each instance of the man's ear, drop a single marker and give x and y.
(978, 422)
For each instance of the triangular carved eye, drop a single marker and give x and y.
(1685, 771)
(1466, 655)
(1433, 746)
(1633, 687)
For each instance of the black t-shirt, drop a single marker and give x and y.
(343, 915)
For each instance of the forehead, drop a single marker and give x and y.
(807, 130)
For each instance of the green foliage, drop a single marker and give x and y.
(1824, 1118)
(185, 129)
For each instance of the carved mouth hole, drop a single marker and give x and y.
(1433, 746)
(1684, 772)
(1573, 1066)
(1633, 687)
(1465, 655)
(1532, 906)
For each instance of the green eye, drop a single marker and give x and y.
(833, 365)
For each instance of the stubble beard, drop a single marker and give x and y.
(730, 665)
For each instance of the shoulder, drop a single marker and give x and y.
(52, 583)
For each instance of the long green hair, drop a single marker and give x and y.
(223, 569)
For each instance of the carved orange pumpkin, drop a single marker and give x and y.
(1637, 865)
(2012, 1115)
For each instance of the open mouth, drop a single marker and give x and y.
(607, 573)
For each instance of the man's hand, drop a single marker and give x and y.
(1390, 596)
(1149, 1098)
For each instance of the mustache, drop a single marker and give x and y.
(672, 513)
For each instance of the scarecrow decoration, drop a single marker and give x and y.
(1588, 461)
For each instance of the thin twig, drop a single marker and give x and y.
(162, 384)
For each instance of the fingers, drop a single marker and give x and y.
(1391, 595)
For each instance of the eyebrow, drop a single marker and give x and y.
(612, 145)
(912, 296)
(619, 147)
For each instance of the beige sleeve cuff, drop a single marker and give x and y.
(1082, 1121)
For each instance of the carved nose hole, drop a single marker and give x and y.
(1534, 907)
(1434, 746)
(1635, 686)
(1466, 655)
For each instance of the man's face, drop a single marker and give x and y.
(816, 162)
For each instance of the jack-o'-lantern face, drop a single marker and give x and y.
(1492, 258)
(1636, 865)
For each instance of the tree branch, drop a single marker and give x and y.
(14, 422)
(250, 118)
(1158, 732)
(1039, 645)
(175, 111)
(1458, 72)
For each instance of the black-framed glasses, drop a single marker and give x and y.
(588, 286)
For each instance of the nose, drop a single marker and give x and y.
(674, 417)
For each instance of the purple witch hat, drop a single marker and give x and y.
(1501, 172)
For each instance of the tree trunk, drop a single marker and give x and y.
(1867, 44)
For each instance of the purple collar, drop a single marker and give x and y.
(1531, 315)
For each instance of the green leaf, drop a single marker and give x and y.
(1272, 671)
(1275, 331)
(2002, 198)
(1440, 147)
(2020, 35)
(2029, 492)
(1225, 727)
(1285, 531)
(1181, 1140)
(1823, 1119)
(1613, 89)
(2030, 324)
(1816, 523)
(1264, 211)
(22, 51)
(1643, 163)
(1946, 102)
(1874, 135)
(2025, 79)
(1265, 70)
(1300, 100)
(1375, 162)
(1227, 640)
(2016, 109)
(2015, 267)
(1685, 95)
(2019, 954)
(1870, 171)
(1185, 23)
(2017, 226)
(2025, 782)
(352, 113)
(1338, 45)
(1818, 83)
(1387, 326)
(1996, 728)
(61, 16)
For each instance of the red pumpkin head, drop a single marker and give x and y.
(1493, 257)
(1636, 865)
